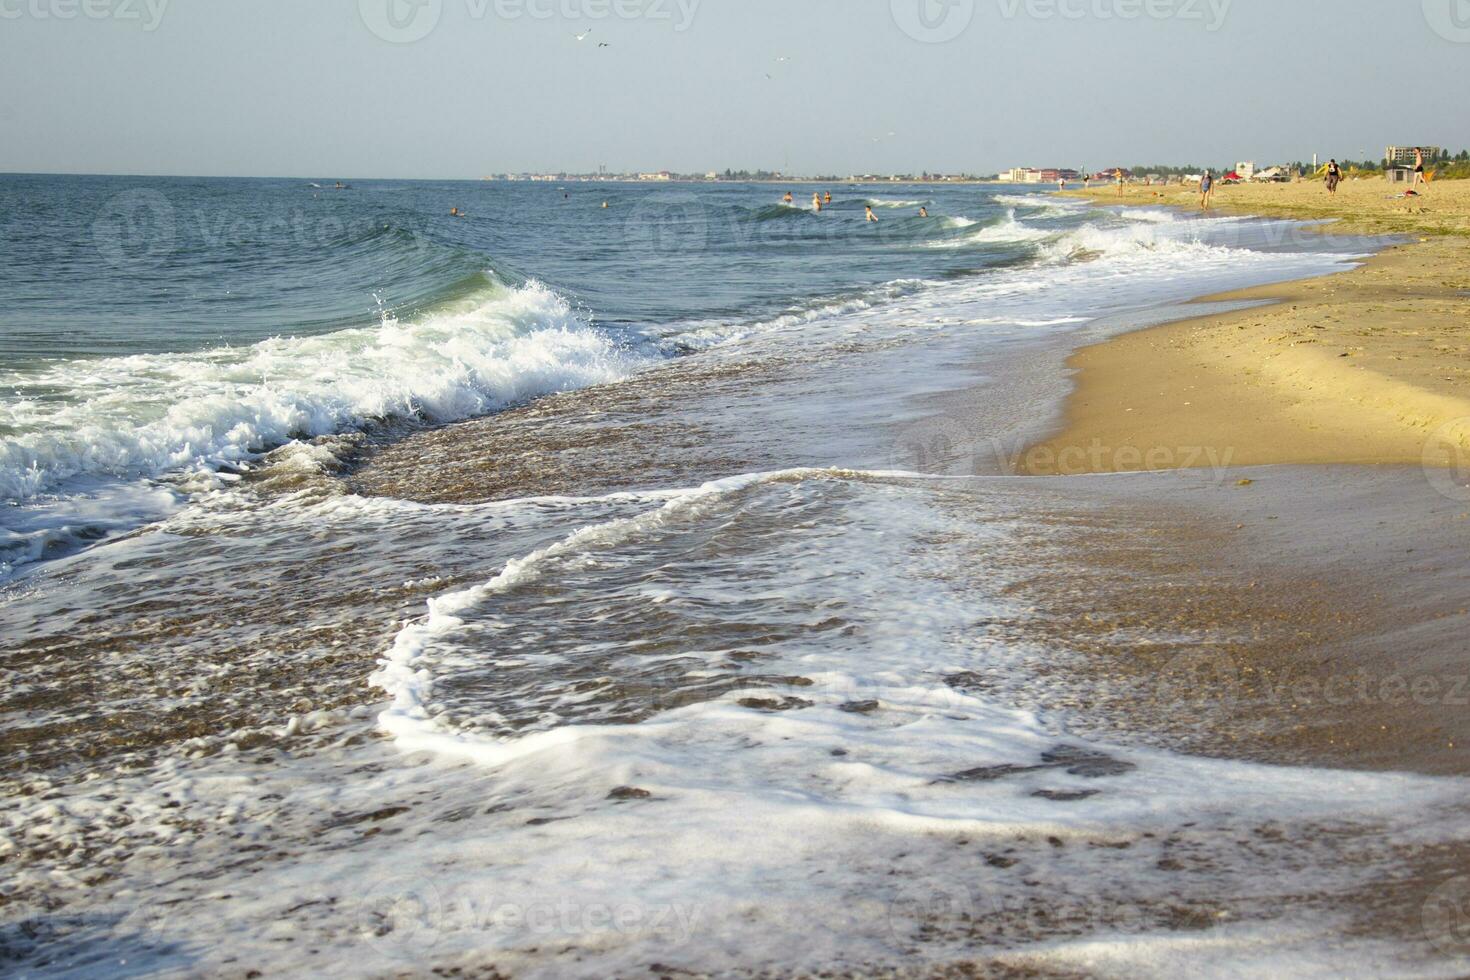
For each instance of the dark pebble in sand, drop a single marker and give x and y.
(1086, 763)
(998, 861)
(772, 704)
(629, 793)
(1077, 762)
(839, 752)
(1061, 796)
(860, 707)
(986, 773)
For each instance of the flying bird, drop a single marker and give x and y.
(604, 44)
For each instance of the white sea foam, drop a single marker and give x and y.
(154, 413)
(1007, 230)
(879, 202)
(1049, 204)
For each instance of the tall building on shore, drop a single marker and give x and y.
(1405, 154)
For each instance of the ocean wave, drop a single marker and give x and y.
(701, 335)
(1002, 231)
(778, 212)
(1043, 202)
(146, 415)
(1092, 241)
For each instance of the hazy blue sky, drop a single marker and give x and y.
(310, 88)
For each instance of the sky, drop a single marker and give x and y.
(466, 88)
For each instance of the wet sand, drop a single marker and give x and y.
(1346, 583)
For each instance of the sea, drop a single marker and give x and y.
(606, 579)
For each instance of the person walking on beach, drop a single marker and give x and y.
(1334, 177)
(1419, 179)
(1118, 176)
(1206, 191)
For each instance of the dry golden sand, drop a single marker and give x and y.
(1368, 366)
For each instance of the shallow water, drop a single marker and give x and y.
(573, 592)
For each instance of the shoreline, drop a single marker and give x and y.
(1370, 365)
(1300, 461)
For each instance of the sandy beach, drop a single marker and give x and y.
(1348, 573)
(1368, 366)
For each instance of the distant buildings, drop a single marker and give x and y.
(1030, 175)
(743, 176)
(1404, 155)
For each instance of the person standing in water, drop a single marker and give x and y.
(1334, 176)
(1118, 176)
(1206, 191)
(870, 215)
(923, 212)
(817, 203)
(788, 198)
(827, 198)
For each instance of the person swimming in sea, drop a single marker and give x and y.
(788, 198)
(870, 215)
(827, 198)
(923, 212)
(456, 213)
(604, 205)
